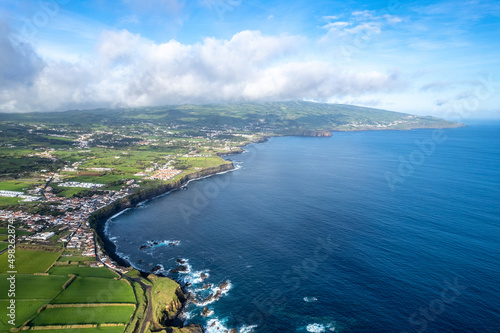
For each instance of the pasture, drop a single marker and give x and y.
(84, 315)
(96, 290)
(25, 310)
(29, 261)
(34, 287)
(103, 329)
(98, 272)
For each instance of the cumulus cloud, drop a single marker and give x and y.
(130, 70)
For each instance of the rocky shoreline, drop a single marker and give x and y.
(98, 223)
(99, 218)
(173, 311)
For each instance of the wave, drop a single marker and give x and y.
(217, 325)
(310, 299)
(151, 244)
(320, 328)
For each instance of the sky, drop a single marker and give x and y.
(439, 58)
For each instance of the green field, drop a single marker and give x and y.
(96, 290)
(15, 185)
(5, 201)
(3, 246)
(105, 329)
(34, 287)
(76, 258)
(68, 192)
(28, 261)
(4, 231)
(100, 272)
(25, 310)
(163, 294)
(84, 315)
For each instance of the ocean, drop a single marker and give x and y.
(380, 231)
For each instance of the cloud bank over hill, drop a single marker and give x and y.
(127, 69)
(424, 58)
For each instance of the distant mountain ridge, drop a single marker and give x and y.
(283, 118)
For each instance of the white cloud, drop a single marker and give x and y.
(129, 70)
(361, 23)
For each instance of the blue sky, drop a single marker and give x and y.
(438, 58)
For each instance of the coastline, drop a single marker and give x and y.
(99, 219)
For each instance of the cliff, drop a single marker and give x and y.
(318, 133)
(168, 301)
(98, 219)
(192, 328)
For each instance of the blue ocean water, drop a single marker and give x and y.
(361, 232)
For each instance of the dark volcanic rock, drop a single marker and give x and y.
(217, 295)
(203, 276)
(179, 269)
(206, 312)
(191, 328)
(224, 285)
(156, 268)
(180, 261)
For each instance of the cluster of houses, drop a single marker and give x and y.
(164, 174)
(73, 223)
(45, 154)
(82, 185)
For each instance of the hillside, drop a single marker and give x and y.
(285, 118)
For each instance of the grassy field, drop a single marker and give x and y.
(105, 329)
(140, 309)
(76, 258)
(96, 290)
(6, 201)
(84, 315)
(68, 192)
(4, 231)
(34, 287)
(163, 293)
(25, 310)
(16, 185)
(100, 272)
(3, 246)
(29, 262)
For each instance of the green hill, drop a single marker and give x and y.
(292, 118)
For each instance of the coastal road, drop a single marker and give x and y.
(148, 316)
